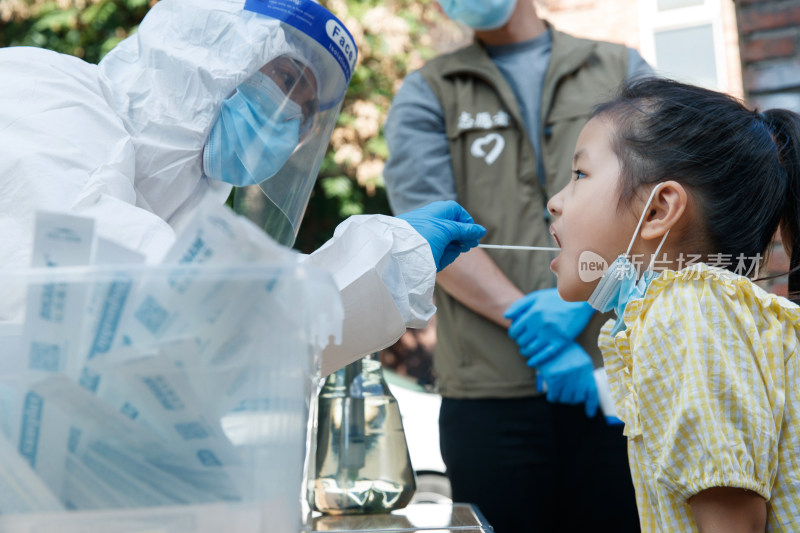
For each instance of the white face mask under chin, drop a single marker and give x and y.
(619, 284)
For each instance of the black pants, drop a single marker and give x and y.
(532, 466)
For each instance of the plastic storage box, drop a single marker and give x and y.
(174, 399)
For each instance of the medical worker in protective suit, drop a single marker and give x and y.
(207, 95)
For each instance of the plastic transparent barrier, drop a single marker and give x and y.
(285, 194)
(169, 398)
(278, 204)
(311, 73)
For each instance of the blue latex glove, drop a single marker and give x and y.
(569, 377)
(542, 324)
(447, 227)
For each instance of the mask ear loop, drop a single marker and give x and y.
(639, 226)
(655, 255)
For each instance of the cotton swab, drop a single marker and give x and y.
(513, 247)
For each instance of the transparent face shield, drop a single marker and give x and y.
(300, 93)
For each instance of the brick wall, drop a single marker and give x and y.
(769, 37)
(769, 31)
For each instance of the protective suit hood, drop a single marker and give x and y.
(167, 83)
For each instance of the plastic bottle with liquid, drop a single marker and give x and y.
(362, 460)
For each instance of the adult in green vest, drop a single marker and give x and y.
(493, 125)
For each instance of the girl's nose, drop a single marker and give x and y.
(554, 205)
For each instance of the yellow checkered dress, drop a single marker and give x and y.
(707, 380)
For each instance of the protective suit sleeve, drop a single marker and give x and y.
(62, 149)
(386, 273)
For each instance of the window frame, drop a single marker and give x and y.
(653, 20)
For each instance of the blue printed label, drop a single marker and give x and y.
(318, 23)
(54, 296)
(191, 430)
(45, 356)
(31, 422)
(207, 458)
(164, 393)
(130, 411)
(151, 315)
(74, 439)
(110, 316)
(89, 380)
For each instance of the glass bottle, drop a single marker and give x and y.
(362, 460)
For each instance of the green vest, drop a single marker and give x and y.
(496, 180)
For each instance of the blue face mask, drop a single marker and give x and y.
(619, 284)
(479, 14)
(258, 128)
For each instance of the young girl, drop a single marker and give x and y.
(681, 190)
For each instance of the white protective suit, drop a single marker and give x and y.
(122, 142)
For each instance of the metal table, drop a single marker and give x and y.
(421, 517)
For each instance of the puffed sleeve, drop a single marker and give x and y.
(707, 376)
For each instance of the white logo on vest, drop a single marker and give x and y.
(483, 120)
(477, 149)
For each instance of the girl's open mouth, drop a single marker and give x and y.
(553, 233)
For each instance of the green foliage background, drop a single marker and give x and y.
(394, 37)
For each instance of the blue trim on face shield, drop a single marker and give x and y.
(257, 130)
(318, 23)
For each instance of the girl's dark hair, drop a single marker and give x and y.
(741, 166)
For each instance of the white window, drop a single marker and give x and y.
(664, 5)
(683, 39)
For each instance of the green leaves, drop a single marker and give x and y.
(342, 190)
(87, 29)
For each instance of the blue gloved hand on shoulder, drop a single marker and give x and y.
(569, 377)
(447, 227)
(542, 324)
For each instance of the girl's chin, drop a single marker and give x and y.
(569, 296)
(573, 290)
(554, 265)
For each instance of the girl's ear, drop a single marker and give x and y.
(665, 210)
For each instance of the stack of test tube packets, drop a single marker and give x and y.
(126, 387)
